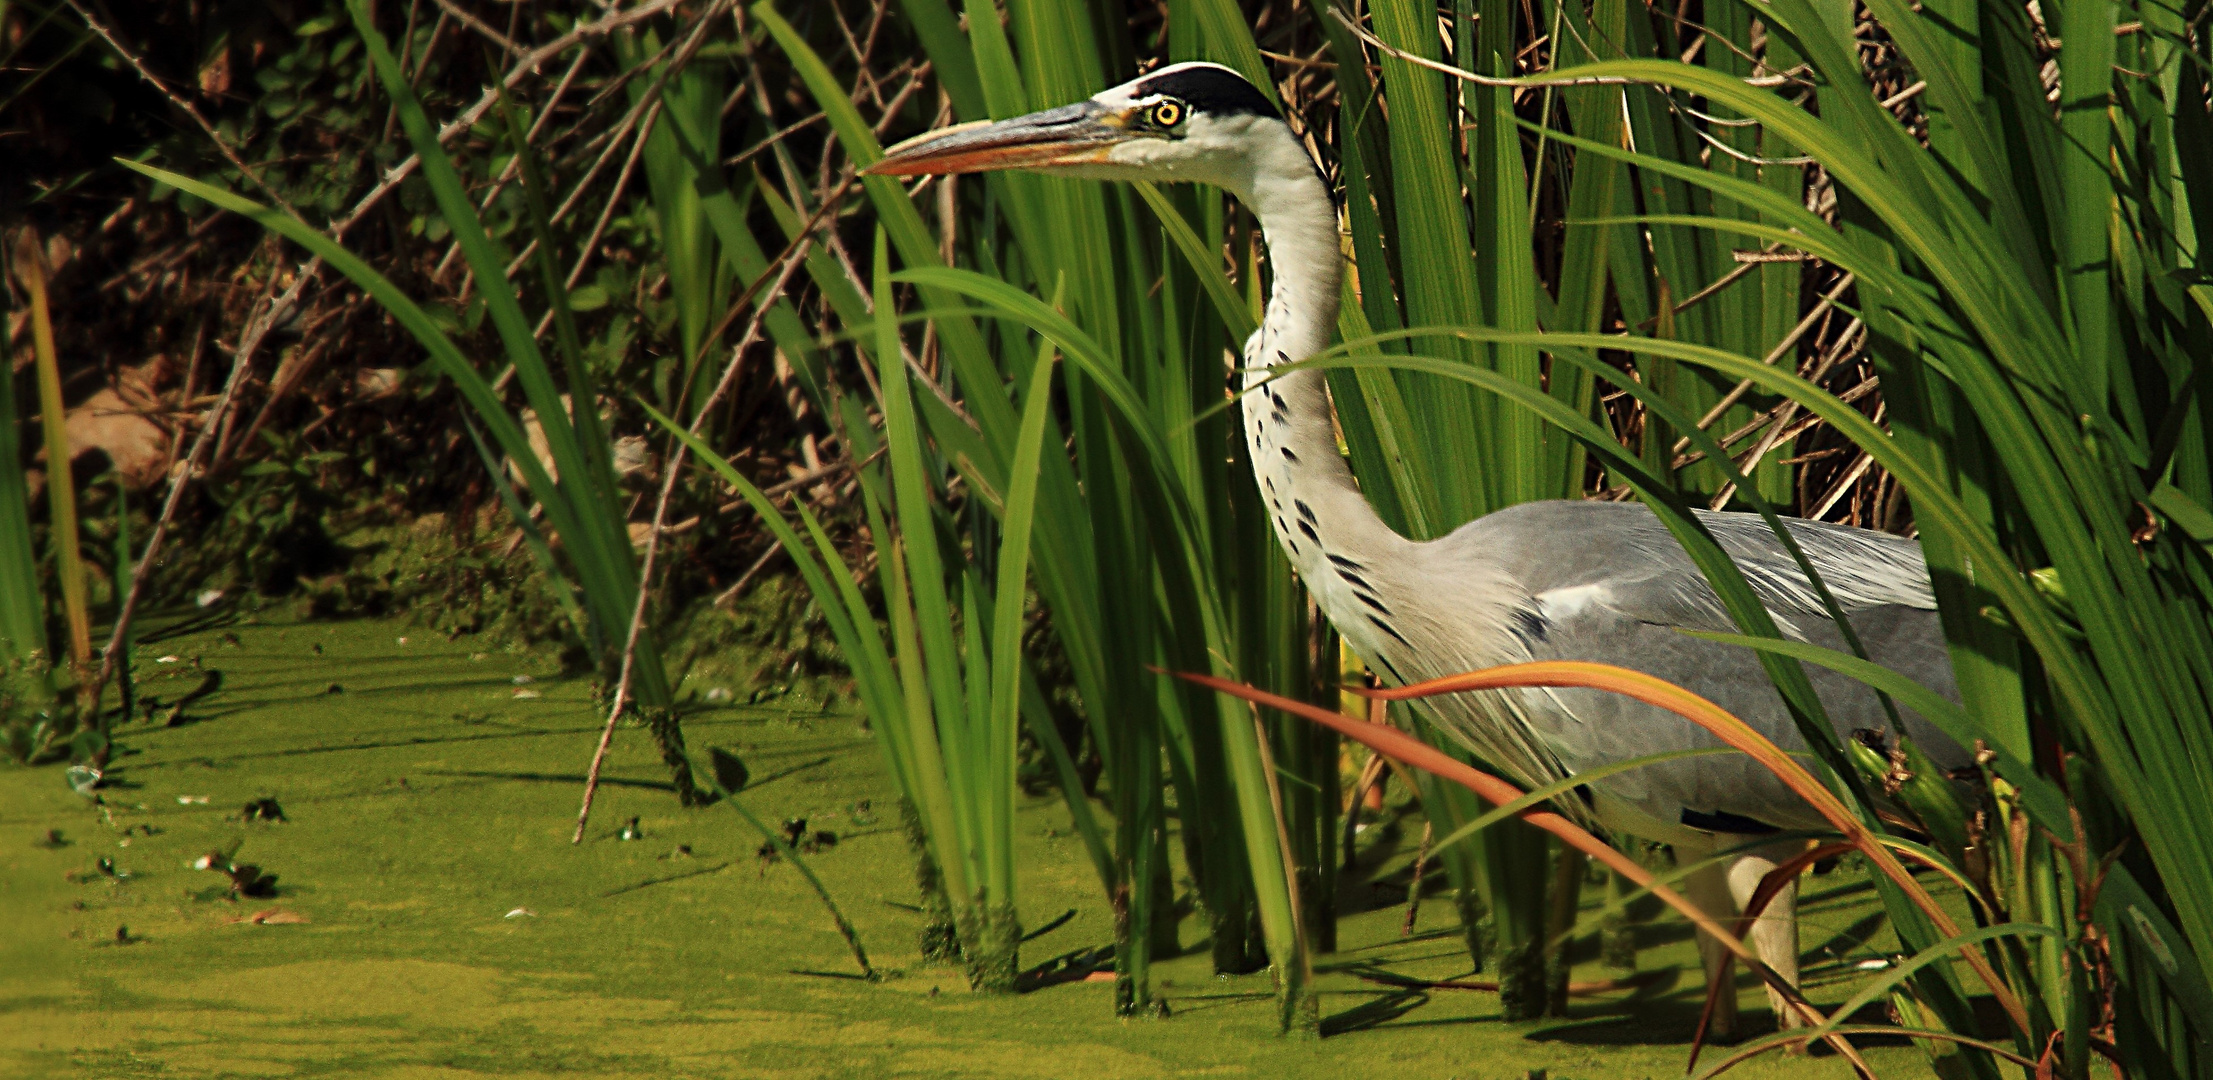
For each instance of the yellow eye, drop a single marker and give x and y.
(1168, 113)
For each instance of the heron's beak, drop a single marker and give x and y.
(1076, 134)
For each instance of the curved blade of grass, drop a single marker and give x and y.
(841, 601)
(2124, 902)
(591, 437)
(1936, 1036)
(1727, 727)
(902, 725)
(912, 491)
(1396, 744)
(1934, 860)
(2044, 800)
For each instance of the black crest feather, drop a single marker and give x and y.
(1216, 91)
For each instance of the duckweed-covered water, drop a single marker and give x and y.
(428, 791)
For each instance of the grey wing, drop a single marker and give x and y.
(1554, 546)
(1607, 583)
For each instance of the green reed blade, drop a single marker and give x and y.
(61, 482)
(22, 606)
(1226, 38)
(1202, 262)
(1012, 587)
(912, 498)
(1380, 434)
(900, 716)
(783, 847)
(1598, 185)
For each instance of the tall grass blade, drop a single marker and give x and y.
(61, 483)
(22, 605)
(1006, 626)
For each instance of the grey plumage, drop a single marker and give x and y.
(1606, 582)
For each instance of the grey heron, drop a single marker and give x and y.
(1558, 580)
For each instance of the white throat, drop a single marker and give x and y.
(1332, 536)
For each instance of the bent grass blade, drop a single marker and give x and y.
(1395, 744)
(1729, 729)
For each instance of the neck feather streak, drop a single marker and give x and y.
(1319, 515)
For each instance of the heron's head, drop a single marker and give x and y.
(1198, 122)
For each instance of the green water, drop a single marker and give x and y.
(429, 795)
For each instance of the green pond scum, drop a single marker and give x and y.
(430, 918)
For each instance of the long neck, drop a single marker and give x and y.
(1319, 515)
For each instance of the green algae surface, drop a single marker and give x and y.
(446, 927)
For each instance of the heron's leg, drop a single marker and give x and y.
(1708, 887)
(1775, 933)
